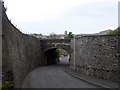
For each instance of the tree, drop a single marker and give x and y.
(70, 35)
(115, 32)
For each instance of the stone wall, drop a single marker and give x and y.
(97, 56)
(21, 52)
(0, 42)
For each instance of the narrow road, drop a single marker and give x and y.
(54, 77)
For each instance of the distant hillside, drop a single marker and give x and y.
(115, 32)
(103, 32)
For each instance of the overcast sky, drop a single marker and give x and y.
(77, 16)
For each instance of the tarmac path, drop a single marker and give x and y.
(54, 76)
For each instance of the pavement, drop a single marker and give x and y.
(54, 76)
(96, 81)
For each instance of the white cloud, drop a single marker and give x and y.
(40, 10)
(45, 16)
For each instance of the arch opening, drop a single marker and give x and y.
(50, 56)
(57, 56)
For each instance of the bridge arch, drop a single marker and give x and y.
(66, 48)
(50, 45)
(51, 58)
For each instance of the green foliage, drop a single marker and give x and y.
(57, 52)
(70, 35)
(115, 32)
(7, 84)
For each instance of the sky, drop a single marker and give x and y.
(58, 16)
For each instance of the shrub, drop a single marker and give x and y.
(115, 32)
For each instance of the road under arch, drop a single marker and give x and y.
(50, 56)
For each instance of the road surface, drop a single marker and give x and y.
(54, 77)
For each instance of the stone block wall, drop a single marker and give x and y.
(97, 56)
(21, 52)
(0, 42)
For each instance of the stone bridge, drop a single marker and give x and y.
(55, 43)
(48, 47)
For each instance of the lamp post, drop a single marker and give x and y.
(74, 53)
